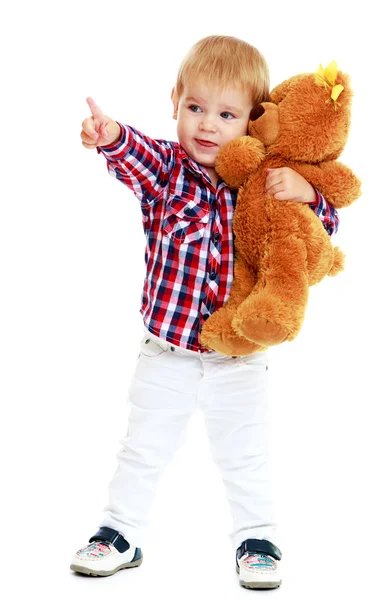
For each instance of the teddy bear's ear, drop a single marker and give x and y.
(278, 93)
(281, 90)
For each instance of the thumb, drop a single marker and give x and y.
(268, 170)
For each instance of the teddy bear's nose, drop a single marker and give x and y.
(257, 112)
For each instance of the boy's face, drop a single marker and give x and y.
(209, 118)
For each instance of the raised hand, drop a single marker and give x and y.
(98, 130)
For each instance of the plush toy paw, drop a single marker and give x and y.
(260, 331)
(238, 159)
(266, 319)
(232, 345)
(217, 334)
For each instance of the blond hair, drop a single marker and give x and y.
(225, 60)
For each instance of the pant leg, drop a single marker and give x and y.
(162, 397)
(238, 427)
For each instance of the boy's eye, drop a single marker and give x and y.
(227, 115)
(194, 108)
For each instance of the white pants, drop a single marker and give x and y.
(168, 385)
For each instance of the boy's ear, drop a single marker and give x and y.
(175, 101)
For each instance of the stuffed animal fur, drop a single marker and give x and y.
(281, 247)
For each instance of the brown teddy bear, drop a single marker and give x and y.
(281, 248)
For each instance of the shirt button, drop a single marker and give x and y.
(324, 211)
(213, 275)
(216, 237)
(206, 316)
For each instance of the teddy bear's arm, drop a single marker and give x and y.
(335, 181)
(238, 159)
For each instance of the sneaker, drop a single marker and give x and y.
(106, 553)
(257, 564)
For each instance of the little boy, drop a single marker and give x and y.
(187, 213)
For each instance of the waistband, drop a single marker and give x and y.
(168, 345)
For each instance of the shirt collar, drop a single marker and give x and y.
(190, 164)
(196, 168)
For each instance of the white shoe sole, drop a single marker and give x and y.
(78, 567)
(260, 581)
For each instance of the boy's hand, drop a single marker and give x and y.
(287, 184)
(98, 130)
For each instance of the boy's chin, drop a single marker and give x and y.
(206, 161)
(208, 164)
(201, 160)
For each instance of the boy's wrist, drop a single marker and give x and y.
(311, 195)
(114, 131)
(117, 131)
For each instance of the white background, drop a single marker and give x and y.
(72, 271)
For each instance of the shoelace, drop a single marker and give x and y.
(263, 560)
(96, 548)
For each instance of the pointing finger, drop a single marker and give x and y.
(95, 109)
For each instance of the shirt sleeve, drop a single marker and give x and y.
(139, 162)
(326, 213)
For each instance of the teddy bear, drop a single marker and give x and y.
(282, 248)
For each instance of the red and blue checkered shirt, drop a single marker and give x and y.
(188, 227)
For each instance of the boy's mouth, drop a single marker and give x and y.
(206, 143)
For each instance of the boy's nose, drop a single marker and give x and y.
(208, 125)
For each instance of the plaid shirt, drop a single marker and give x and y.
(188, 228)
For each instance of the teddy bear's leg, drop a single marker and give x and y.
(274, 311)
(217, 332)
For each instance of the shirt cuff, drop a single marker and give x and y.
(318, 198)
(326, 213)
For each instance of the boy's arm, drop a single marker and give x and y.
(141, 163)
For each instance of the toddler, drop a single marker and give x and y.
(187, 213)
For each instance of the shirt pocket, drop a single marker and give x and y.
(185, 219)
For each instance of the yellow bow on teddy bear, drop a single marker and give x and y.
(325, 77)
